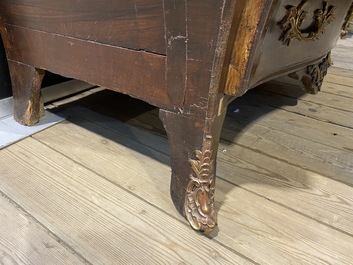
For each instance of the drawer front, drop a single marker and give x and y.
(297, 34)
(289, 35)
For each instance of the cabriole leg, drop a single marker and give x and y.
(194, 144)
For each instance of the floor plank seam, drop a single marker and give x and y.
(234, 251)
(338, 83)
(304, 115)
(331, 79)
(146, 201)
(264, 197)
(164, 136)
(292, 134)
(331, 93)
(265, 87)
(288, 208)
(235, 185)
(222, 139)
(115, 184)
(268, 93)
(326, 81)
(284, 161)
(46, 229)
(339, 71)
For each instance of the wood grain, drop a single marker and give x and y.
(130, 24)
(308, 108)
(138, 73)
(342, 90)
(336, 71)
(341, 80)
(276, 190)
(290, 123)
(244, 167)
(243, 46)
(104, 222)
(239, 209)
(330, 100)
(324, 159)
(24, 241)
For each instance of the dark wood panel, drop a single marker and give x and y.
(131, 24)
(176, 38)
(151, 25)
(137, 73)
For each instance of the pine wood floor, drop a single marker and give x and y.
(94, 189)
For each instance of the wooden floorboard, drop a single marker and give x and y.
(101, 220)
(238, 207)
(279, 169)
(256, 165)
(342, 54)
(24, 241)
(95, 188)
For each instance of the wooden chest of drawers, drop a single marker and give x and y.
(189, 58)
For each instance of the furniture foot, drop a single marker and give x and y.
(313, 76)
(26, 83)
(194, 144)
